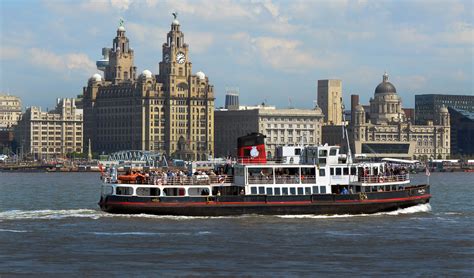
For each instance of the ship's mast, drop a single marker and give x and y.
(345, 134)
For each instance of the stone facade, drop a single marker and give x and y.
(280, 126)
(43, 135)
(171, 112)
(330, 100)
(387, 133)
(10, 111)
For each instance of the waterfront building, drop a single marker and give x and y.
(10, 111)
(280, 126)
(171, 112)
(462, 132)
(232, 99)
(330, 100)
(42, 135)
(426, 104)
(384, 131)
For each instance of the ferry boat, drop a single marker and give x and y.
(325, 182)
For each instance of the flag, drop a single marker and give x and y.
(101, 168)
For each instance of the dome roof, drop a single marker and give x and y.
(201, 75)
(96, 77)
(385, 87)
(318, 109)
(175, 22)
(121, 28)
(443, 109)
(147, 73)
(359, 108)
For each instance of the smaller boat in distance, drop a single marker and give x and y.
(323, 182)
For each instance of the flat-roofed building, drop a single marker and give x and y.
(10, 111)
(427, 103)
(43, 135)
(330, 100)
(280, 126)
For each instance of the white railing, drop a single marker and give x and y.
(384, 179)
(185, 180)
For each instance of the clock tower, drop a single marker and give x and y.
(189, 101)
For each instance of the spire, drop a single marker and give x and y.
(385, 77)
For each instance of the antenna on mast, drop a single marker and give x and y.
(345, 134)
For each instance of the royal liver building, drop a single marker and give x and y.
(171, 112)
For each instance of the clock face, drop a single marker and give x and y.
(180, 58)
(167, 58)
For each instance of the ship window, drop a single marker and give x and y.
(315, 190)
(148, 191)
(292, 191)
(123, 190)
(261, 190)
(331, 171)
(277, 191)
(323, 153)
(285, 191)
(253, 190)
(198, 191)
(269, 191)
(323, 190)
(338, 171)
(322, 172)
(307, 190)
(353, 171)
(300, 190)
(332, 152)
(345, 171)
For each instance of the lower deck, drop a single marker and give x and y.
(269, 204)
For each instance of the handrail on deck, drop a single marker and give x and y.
(185, 180)
(383, 179)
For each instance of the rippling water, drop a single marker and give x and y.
(50, 225)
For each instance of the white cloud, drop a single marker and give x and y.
(282, 54)
(199, 41)
(9, 52)
(120, 4)
(77, 62)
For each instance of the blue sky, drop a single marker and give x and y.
(272, 51)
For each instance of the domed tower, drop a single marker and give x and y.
(386, 106)
(359, 115)
(118, 61)
(443, 116)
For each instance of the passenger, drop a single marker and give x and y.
(344, 191)
(218, 193)
(242, 192)
(351, 190)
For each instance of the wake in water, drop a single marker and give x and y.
(97, 214)
(410, 210)
(87, 213)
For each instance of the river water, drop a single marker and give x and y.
(50, 225)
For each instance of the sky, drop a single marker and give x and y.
(272, 51)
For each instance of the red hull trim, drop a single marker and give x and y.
(212, 203)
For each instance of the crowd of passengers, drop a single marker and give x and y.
(156, 177)
(391, 173)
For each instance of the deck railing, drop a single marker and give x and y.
(184, 180)
(384, 179)
(283, 179)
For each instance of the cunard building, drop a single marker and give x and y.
(171, 112)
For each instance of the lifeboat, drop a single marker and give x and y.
(131, 177)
